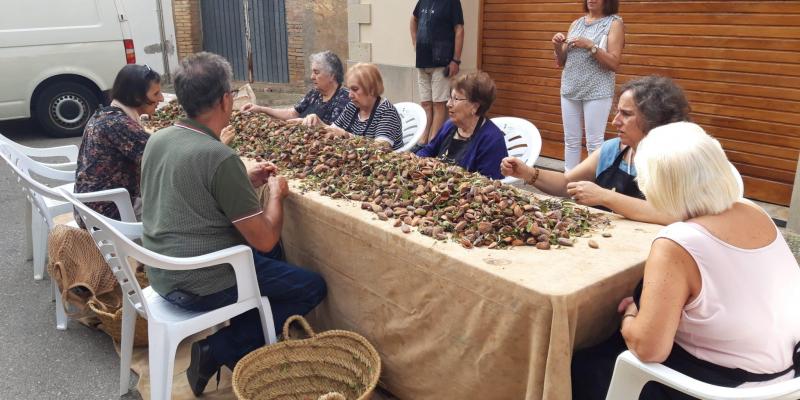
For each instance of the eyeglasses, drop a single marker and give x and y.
(455, 99)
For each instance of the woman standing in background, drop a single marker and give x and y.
(590, 54)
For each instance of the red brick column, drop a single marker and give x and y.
(188, 32)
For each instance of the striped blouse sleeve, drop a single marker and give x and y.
(388, 127)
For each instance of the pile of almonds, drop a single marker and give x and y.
(164, 116)
(438, 199)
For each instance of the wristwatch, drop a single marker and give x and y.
(458, 62)
(593, 50)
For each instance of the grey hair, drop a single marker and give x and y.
(202, 79)
(330, 63)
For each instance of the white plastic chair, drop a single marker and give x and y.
(167, 325)
(414, 120)
(49, 203)
(631, 374)
(522, 141)
(70, 152)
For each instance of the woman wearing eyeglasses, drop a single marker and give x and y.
(113, 140)
(468, 138)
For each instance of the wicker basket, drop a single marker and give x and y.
(111, 323)
(300, 369)
(111, 316)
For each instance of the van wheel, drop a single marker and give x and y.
(63, 108)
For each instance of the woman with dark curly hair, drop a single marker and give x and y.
(606, 178)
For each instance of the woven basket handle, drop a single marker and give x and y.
(303, 323)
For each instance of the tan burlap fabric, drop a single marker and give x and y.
(451, 323)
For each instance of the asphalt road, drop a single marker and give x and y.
(38, 361)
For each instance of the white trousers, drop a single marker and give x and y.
(577, 115)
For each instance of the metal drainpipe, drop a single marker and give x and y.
(164, 48)
(247, 45)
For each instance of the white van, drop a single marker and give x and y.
(58, 58)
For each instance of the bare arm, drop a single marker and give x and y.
(671, 280)
(263, 231)
(551, 182)
(413, 27)
(560, 49)
(279, 113)
(616, 41)
(560, 46)
(459, 45)
(635, 209)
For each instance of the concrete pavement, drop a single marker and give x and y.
(38, 361)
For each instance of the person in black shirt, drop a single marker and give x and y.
(437, 33)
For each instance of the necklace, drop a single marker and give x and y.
(477, 125)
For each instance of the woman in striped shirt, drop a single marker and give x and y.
(368, 114)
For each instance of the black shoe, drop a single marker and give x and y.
(201, 367)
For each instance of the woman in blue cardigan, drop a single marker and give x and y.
(468, 138)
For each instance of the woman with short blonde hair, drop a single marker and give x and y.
(368, 114)
(718, 301)
(369, 76)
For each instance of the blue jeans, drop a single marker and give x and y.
(291, 290)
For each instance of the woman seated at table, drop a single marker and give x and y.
(368, 114)
(324, 102)
(606, 177)
(719, 300)
(113, 141)
(469, 139)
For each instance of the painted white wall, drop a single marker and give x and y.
(143, 20)
(390, 38)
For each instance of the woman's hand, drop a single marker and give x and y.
(624, 304)
(334, 131)
(227, 135)
(512, 166)
(580, 42)
(558, 39)
(586, 193)
(312, 120)
(250, 107)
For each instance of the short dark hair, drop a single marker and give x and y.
(479, 88)
(132, 83)
(201, 81)
(659, 99)
(610, 7)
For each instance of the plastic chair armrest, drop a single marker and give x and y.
(119, 196)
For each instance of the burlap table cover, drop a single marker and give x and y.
(452, 323)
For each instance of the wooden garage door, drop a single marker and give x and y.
(739, 62)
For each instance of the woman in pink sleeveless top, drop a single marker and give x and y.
(719, 300)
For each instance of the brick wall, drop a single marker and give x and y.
(295, 17)
(188, 32)
(311, 26)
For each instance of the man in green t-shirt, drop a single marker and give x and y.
(198, 198)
